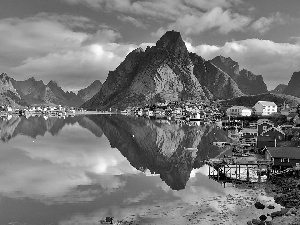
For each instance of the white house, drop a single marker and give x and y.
(265, 108)
(238, 111)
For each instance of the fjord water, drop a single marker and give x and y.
(78, 170)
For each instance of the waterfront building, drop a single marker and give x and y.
(283, 157)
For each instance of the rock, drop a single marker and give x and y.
(262, 217)
(271, 207)
(259, 205)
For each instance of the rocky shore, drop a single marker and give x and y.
(285, 188)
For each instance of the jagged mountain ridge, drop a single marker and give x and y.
(167, 72)
(164, 72)
(293, 85)
(248, 83)
(31, 92)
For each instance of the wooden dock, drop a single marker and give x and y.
(229, 169)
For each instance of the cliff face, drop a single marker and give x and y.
(217, 83)
(248, 83)
(159, 147)
(293, 85)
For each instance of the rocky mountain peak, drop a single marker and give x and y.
(4, 77)
(173, 43)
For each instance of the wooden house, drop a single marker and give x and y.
(283, 157)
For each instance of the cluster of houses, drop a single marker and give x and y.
(197, 111)
(38, 110)
(279, 144)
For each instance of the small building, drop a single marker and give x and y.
(283, 157)
(265, 108)
(238, 111)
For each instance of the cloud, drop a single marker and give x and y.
(210, 4)
(133, 21)
(275, 61)
(263, 24)
(64, 166)
(223, 20)
(47, 46)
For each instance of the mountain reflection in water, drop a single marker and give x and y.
(88, 165)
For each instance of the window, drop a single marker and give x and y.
(284, 160)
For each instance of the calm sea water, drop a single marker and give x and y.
(79, 170)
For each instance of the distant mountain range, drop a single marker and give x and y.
(31, 91)
(164, 72)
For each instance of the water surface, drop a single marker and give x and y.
(78, 170)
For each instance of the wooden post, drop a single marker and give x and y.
(248, 173)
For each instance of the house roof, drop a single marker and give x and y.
(266, 103)
(284, 152)
(273, 128)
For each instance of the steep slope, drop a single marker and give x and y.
(293, 85)
(164, 72)
(216, 82)
(88, 92)
(8, 93)
(279, 89)
(248, 83)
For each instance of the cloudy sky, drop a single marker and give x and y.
(75, 42)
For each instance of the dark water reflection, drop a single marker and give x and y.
(66, 171)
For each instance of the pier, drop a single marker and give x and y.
(230, 169)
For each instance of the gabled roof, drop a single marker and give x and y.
(266, 103)
(271, 128)
(284, 152)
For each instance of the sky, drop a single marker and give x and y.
(75, 42)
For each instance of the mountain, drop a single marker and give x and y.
(31, 91)
(293, 85)
(248, 83)
(88, 92)
(8, 94)
(279, 89)
(164, 72)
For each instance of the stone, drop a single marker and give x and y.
(259, 205)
